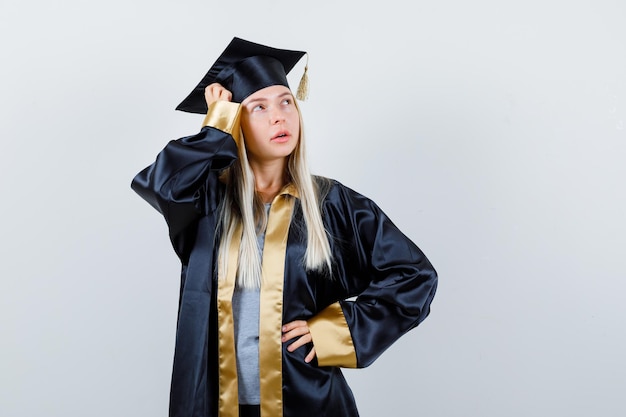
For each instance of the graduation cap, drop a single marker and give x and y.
(244, 68)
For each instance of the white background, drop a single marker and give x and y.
(492, 132)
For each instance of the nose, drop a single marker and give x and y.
(277, 115)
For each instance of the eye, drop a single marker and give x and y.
(258, 107)
(286, 101)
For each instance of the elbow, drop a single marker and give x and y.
(425, 297)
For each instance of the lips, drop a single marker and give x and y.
(281, 136)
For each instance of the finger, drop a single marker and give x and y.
(300, 331)
(215, 91)
(293, 324)
(212, 89)
(299, 342)
(310, 356)
(220, 93)
(225, 95)
(291, 334)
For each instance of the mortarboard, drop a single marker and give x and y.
(244, 68)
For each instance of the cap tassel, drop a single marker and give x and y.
(303, 87)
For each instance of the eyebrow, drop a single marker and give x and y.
(261, 99)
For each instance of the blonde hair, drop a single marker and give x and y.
(242, 206)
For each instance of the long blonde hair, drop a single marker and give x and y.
(242, 206)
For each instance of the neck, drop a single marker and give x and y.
(269, 178)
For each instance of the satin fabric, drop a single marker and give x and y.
(393, 280)
(249, 411)
(271, 309)
(243, 68)
(228, 387)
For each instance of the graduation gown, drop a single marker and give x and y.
(382, 285)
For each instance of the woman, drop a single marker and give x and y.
(272, 257)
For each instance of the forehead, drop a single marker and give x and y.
(268, 93)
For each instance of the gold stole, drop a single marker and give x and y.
(270, 315)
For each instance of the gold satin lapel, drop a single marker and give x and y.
(271, 314)
(228, 390)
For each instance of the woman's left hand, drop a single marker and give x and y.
(300, 330)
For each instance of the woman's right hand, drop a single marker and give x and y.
(214, 92)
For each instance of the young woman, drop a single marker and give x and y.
(286, 277)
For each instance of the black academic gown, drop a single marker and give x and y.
(392, 280)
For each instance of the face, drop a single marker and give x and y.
(270, 123)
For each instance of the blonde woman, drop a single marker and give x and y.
(286, 277)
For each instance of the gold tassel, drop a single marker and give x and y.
(303, 87)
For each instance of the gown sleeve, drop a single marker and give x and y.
(393, 282)
(182, 183)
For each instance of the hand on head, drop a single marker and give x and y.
(214, 92)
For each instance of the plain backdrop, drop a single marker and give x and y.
(492, 133)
